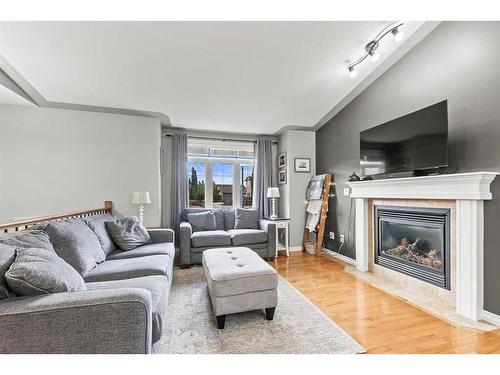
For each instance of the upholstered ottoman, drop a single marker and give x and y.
(239, 280)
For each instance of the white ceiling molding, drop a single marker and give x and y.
(8, 96)
(252, 77)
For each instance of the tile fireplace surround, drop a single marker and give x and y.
(464, 194)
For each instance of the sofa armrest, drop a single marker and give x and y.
(270, 228)
(185, 233)
(161, 235)
(93, 321)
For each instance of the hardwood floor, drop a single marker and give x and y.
(380, 322)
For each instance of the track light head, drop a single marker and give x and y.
(374, 55)
(371, 49)
(398, 34)
(352, 72)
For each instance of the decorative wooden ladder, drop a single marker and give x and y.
(320, 227)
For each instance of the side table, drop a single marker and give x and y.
(281, 223)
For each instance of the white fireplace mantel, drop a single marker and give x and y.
(468, 190)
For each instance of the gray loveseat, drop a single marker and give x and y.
(193, 243)
(122, 310)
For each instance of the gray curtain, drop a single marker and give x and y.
(262, 175)
(179, 180)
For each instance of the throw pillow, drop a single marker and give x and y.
(97, 224)
(128, 233)
(27, 238)
(40, 271)
(7, 257)
(229, 219)
(202, 221)
(76, 244)
(246, 218)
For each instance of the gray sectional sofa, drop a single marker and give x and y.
(121, 311)
(261, 238)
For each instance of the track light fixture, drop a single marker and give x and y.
(371, 47)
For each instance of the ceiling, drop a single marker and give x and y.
(253, 77)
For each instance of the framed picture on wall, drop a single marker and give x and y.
(302, 165)
(282, 160)
(282, 176)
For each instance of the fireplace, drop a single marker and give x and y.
(414, 241)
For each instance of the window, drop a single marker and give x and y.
(220, 173)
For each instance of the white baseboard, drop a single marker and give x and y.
(490, 317)
(291, 248)
(339, 256)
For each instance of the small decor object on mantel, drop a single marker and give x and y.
(302, 165)
(141, 198)
(273, 193)
(282, 160)
(282, 177)
(354, 177)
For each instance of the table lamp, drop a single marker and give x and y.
(141, 198)
(273, 193)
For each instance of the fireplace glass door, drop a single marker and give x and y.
(414, 241)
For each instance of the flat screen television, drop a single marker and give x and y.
(417, 141)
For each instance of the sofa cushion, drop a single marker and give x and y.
(259, 248)
(27, 238)
(41, 271)
(7, 257)
(75, 242)
(166, 248)
(119, 269)
(158, 286)
(246, 218)
(247, 236)
(202, 221)
(128, 233)
(210, 238)
(219, 216)
(228, 219)
(97, 224)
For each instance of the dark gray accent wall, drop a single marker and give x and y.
(458, 62)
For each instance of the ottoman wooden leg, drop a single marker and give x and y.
(221, 321)
(270, 313)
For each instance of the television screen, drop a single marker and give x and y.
(416, 141)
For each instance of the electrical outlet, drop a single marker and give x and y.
(341, 238)
(332, 235)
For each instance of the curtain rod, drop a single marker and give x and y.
(221, 139)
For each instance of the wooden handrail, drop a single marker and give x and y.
(25, 224)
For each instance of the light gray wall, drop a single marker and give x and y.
(55, 161)
(459, 62)
(296, 144)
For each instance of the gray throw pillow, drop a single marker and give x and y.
(27, 238)
(40, 271)
(98, 225)
(202, 221)
(7, 257)
(128, 233)
(229, 219)
(246, 218)
(76, 244)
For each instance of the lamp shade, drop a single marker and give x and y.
(273, 192)
(141, 197)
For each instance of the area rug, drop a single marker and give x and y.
(298, 327)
